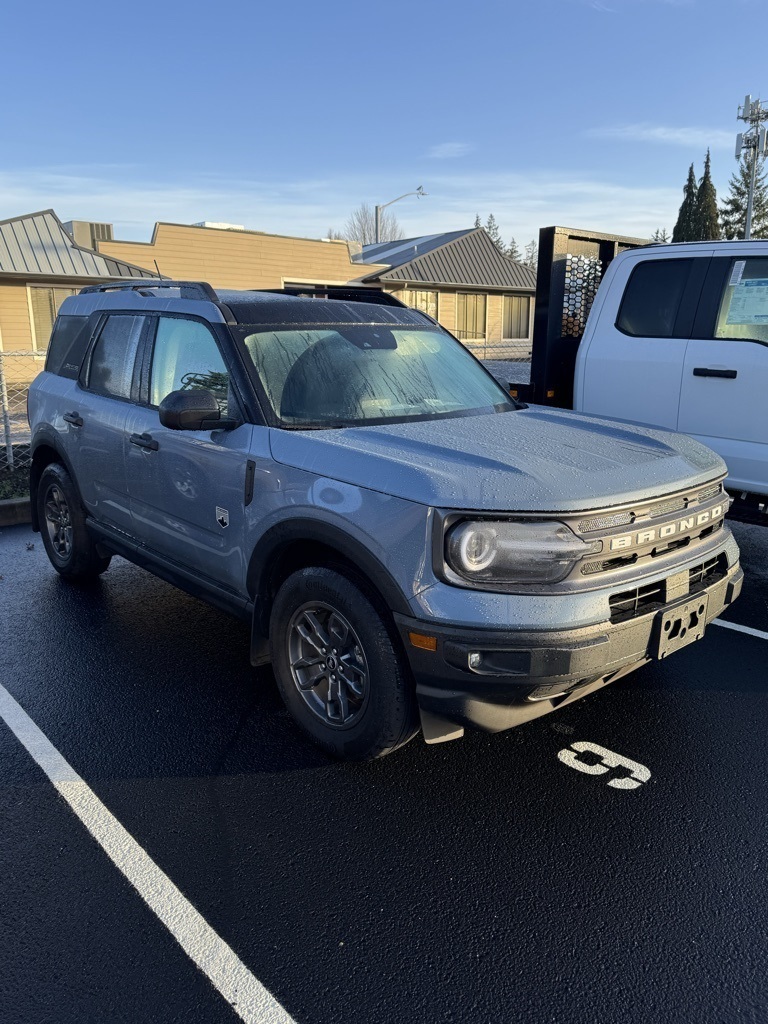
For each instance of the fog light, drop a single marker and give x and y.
(475, 659)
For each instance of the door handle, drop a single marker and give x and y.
(145, 441)
(74, 418)
(708, 371)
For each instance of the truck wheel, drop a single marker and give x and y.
(62, 525)
(338, 670)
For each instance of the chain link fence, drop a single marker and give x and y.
(17, 371)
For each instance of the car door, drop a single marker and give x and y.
(95, 415)
(187, 487)
(725, 373)
(632, 366)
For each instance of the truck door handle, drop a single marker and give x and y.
(708, 371)
(74, 418)
(145, 441)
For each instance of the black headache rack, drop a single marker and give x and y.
(570, 267)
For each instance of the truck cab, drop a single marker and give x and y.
(678, 338)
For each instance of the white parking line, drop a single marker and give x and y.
(741, 629)
(226, 972)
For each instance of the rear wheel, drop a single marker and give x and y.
(62, 525)
(338, 669)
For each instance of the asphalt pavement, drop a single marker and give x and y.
(484, 880)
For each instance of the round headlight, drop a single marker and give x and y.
(476, 547)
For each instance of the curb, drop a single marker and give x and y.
(15, 511)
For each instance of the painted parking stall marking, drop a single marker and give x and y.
(741, 629)
(608, 760)
(207, 950)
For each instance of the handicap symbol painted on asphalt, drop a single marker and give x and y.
(570, 756)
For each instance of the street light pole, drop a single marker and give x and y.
(418, 193)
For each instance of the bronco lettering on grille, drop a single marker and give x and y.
(679, 526)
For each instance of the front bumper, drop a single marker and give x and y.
(493, 680)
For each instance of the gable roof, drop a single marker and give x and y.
(37, 245)
(457, 259)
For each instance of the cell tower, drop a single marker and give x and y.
(753, 140)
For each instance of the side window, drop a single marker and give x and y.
(743, 313)
(114, 355)
(652, 298)
(68, 345)
(185, 357)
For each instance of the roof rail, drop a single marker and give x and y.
(187, 289)
(337, 292)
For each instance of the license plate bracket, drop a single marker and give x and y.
(681, 623)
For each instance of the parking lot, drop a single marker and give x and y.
(478, 881)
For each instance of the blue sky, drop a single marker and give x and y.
(284, 117)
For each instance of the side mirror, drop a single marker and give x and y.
(196, 409)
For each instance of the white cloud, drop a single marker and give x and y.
(714, 138)
(449, 150)
(521, 202)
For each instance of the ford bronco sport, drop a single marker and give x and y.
(410, 545)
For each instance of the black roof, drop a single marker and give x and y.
(272, 307)
(265, 308)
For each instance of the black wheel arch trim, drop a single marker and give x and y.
(46, 437)
(278, 539)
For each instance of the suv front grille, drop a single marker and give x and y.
(629, 604)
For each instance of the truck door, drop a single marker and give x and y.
(725, 372)
(630, 365)
(187, 487)
(95, 413)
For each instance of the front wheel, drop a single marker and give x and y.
(67, 542)
(338, 669)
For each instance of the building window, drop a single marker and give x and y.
(470, 316)
(43, 307)
(517, 316)
(426, 301)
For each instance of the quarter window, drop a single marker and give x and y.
(114, 356)
(652, 299)
(743, 312)
(186, 358)
(470, 316)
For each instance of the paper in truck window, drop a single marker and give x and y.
(749, 302)
(737, 273)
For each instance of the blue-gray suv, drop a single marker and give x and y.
(410, 545)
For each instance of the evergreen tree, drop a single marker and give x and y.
(685, 228)
(733, 212)
(660, 235)
(493, 230)
(513, 251)
(531, 258)
(707, 223)
(478, 222)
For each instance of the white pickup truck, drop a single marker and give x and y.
(677, 337)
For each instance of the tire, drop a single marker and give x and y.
(62, 525)
(356, 700)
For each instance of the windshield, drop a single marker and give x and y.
(321, 376)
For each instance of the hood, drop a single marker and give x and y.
(535, 459)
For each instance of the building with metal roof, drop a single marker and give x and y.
(461, 279)
(40, 265)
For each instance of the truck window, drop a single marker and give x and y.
(113, 356)
(652, 298)
(68, 345)
(743, 312)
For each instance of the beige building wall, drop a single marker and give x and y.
(15, 324)
(240, 259)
